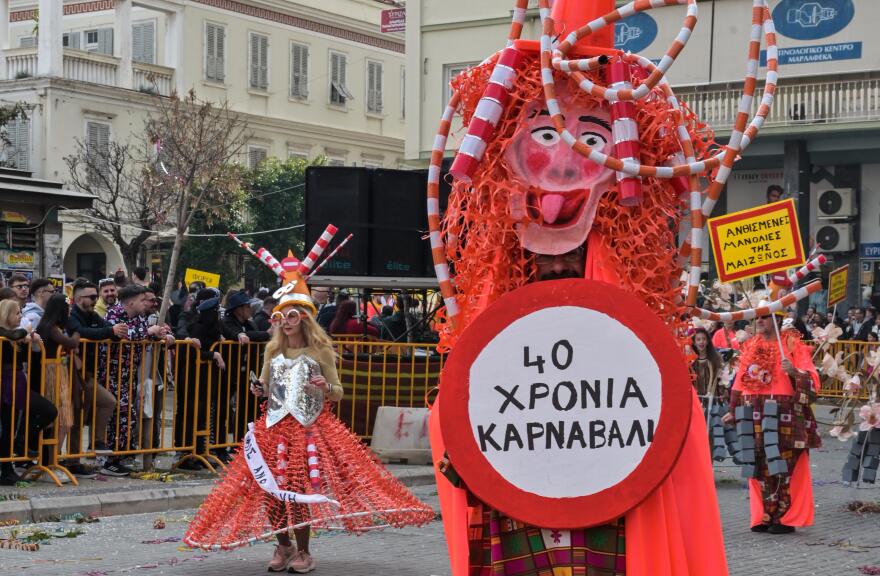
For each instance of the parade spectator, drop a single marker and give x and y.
(20, 285)
(90, 326)
(725, 337)
(107, 293)
(188, 308)
(118, 363)
(151, 378)
(14, 399)
(707, 365)
(774, 193)
(119, 278)
(139, 276)
(327, 311)
(40, 291)
(875, 329)
(7, 293)
(192, 400)
(858, 328)
(346, 322)
(263, 318)
(238, 326)
(59, 348)
(380, 321)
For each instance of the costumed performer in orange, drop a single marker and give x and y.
(300, 466)
(530, 209)
(770, 403)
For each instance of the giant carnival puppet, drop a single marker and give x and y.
(566, 434)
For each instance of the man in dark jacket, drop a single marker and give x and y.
(263, 319)
(239, 327)
(83, 320)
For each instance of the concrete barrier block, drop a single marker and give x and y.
(16, 510)
(44, 508)
(137, 502)
(401, 434)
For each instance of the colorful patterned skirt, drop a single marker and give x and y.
(502, 546)
(238, 512)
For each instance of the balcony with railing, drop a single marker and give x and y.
(798, 104)
(92, 67)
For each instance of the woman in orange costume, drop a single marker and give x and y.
(532, 195)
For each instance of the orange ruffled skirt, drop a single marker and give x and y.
(239, 513)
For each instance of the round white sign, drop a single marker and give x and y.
(564, 402)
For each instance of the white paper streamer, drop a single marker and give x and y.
(265, 479)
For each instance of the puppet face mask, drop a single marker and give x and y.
(563, 188)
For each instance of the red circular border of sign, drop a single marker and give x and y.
(582, 511)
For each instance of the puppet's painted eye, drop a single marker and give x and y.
(545, 136)
(593, 139)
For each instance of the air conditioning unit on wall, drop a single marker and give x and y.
(836, 237)
(837, 203)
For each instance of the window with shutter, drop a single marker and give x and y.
(215, 52)
(105, 41)
(27, 41)
(450, 71)
(143, 42)
(299, 71)
(339, 93)
(256, 154)
(374, 87)
(17, 147)
(98, 148)
(259, 61)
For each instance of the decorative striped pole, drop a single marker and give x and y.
(330, 256)
(262, 255)
(309, 262)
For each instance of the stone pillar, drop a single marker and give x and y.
(4, 36)
(51, 29)
(174, 49)
(122, 43)
(796, 170)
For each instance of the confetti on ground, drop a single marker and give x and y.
(159, 523)
(9, 522)
(162, 540)
(870, 570)
(13, 544)
(12, 496)
(863, 507)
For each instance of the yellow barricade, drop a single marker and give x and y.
(854, 358)
(124, 398)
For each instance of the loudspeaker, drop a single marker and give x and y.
(340, 196)
(399, 221)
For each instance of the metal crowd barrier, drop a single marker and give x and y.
(854, 359)
(173, 398)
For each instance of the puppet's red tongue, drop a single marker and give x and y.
(551, 206)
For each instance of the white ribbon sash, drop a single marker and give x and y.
(265, 479)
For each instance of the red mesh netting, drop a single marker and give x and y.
(487, 258)
(238, 512)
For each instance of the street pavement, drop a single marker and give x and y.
(838, 544)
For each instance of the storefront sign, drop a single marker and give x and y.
(17, 260)
(837, 281)
(756, 241)
(11, 216)
(210, 279)
(820, 53)
(565, 404)
(812, 19)
(635, 33)
(871, 250)
(393, 20)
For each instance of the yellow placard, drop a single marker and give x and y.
(57, 281)
(20, 258)
(756, 241)
(192, 275)
(837, 281)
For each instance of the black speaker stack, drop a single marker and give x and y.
(385, 210)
